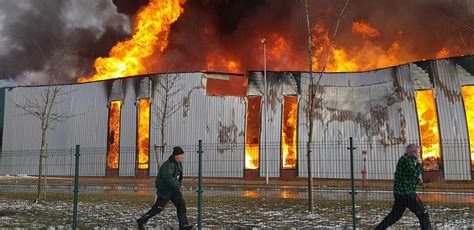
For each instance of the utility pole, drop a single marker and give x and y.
(264, 42)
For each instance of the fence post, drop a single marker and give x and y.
(351, 148)
(200, 186)
(76, 189)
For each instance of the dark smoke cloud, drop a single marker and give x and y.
(235, 27)
(229, 26)
(33, 32)
(129, 7)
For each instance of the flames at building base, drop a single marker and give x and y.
(143, 135)
(468, 94)
(252, 138)
(289, 125)
(114, 135)
(428, 124)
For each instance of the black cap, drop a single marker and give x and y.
(177, 151)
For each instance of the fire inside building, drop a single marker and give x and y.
(118, 120)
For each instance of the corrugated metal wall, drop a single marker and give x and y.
(374, 111)
(270, 152)
(218, 121)
(376, 108)
(22, 133)
(452, 120)
(128, 129)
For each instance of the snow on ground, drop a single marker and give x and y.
(221, 212)
(7, 176)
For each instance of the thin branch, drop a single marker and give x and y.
(456, 20)
(336, 29)
(464, 43)
(470, 6)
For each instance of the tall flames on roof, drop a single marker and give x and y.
(428, 124)
(150, 35)
(358, 57)
(468, 94)
(203, 46)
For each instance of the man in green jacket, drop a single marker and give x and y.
(404, 190)
(168, 187)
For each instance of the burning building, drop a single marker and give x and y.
(372, 89)
(424, 102)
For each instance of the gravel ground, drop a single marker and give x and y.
(100, 212)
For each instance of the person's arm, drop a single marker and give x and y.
(169, 178)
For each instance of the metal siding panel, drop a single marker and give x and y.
(330, 156)
(452, 121)
(87, 101)
(408, 107)
(273, 128)
(18, 127)
(201, 122)
(89, 127)
(354, 79)
(128, 130)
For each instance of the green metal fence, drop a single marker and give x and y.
(349, 189)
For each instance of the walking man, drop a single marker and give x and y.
(406, 178)
(168, 187)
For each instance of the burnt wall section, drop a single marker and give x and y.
(219, 121)
(375, 108)
(452, 120)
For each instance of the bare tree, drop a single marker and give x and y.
(313, 101)
(167, 87)
(45, 106)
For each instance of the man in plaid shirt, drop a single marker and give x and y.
(404, 190)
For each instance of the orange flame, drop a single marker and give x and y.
(150, 34)
(216, 61)
(143, 137)
(428, 122)
(443, 53)
(290, 107)
(369, 55)
(468, 94)
(252, 137)
(365, 29)
(321, 43)
(114, 135)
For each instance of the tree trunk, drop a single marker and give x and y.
(310, 107)
(162, 147)
(310, 172)
(45, 171)
(40, 166)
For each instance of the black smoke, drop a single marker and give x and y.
(33, 32)
(129, 7)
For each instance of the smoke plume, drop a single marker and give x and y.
(225, 35)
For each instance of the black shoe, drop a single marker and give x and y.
(141, 224)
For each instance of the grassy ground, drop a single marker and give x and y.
(106, 211)
(463, 186)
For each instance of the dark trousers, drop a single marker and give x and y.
(412, 202)
(160, 203)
